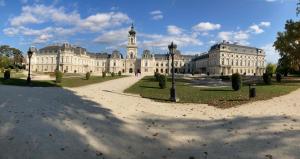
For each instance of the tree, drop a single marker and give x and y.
(271, 68)
(10, 56)
(288, 42)
(236, 81)
(298, 8)
(284, 65)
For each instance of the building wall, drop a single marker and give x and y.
(227, 59)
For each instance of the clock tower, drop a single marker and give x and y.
(132, 45)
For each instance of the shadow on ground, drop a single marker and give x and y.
(56, 123)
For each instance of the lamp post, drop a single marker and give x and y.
(29, 53)
(172, 48)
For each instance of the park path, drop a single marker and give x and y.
(100, 121)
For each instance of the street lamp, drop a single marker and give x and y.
(172, 48)
(29, 53)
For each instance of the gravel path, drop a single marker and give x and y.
(99, 121)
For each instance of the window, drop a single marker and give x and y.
(146, 64)
(157, 64)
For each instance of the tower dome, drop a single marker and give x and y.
(132, 31)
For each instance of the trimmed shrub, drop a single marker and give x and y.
(103, 74)
(112, 74)
(87, 75)
(58, 76)
(267, 78)
(156, 75)
(7, 74)
(236, 81)
(278, 77)
(207, 73)
(162, 81)
(119, 73)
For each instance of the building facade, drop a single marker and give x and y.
(223, 58)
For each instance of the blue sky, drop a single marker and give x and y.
(103, 25)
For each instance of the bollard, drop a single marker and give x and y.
(252, 91)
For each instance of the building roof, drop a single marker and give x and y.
(200, 57)
(236, 48)
(51, 47)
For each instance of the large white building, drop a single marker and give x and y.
(223, 58)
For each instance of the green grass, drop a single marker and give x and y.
(23, 82)
(66, 82)
(81, 81)
(14, 74)
(219, 97)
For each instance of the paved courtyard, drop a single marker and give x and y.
(99, 121)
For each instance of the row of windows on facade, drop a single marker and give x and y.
(71, 60)
(242, 63)
(241, 50)
(241, 56)
(52, 68)
(176, 63)
(40, 60)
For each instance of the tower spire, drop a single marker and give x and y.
(132, 27)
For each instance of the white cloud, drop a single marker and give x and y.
(206, 26)
(265, 24)
(2, 3)
(240, 37)
(42, 38)
(151, 36)
(155, 12)
(60, 23)
(272, 55)
(174, 30)
(211, 42)
(162, 41)
(40, 13)
(113, 37)
(256, 29)
(11, 31)
(102, 21)
(156, 15)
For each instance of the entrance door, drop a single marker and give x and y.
(130, 70)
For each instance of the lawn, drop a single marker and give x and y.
(66, 82)
(81, 81)
(219, 97)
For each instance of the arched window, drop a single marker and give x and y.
(131, 55)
